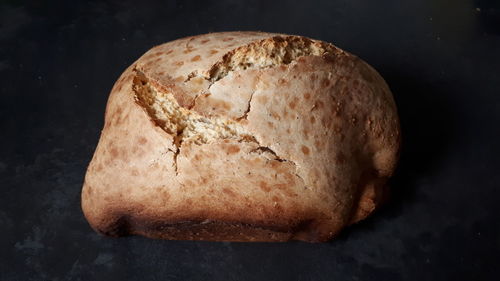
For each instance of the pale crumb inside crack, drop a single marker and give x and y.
(275, 51)
(182, 123)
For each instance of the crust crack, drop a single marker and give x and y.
(185, 124)
(267, 150)
(191, 76)
(266, 53)
(247, 110)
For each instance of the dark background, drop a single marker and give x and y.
(59, 60)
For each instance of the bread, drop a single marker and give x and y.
(242, 136)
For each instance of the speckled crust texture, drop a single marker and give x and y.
(324, 140)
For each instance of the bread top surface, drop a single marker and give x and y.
(247, 127)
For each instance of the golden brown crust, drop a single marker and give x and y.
(324, 139)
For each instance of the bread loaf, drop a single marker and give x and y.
(242, 136)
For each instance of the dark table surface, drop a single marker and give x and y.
(58, 62)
